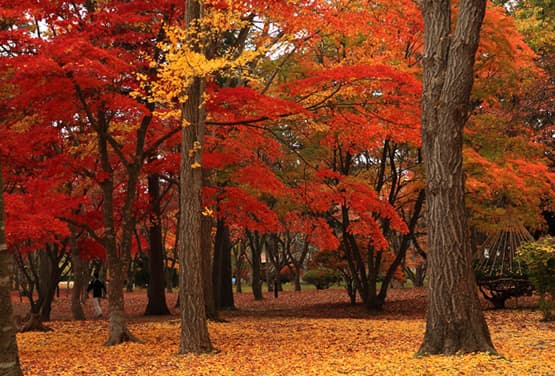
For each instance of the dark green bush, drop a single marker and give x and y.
(322, 278)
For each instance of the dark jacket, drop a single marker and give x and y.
(97, 288)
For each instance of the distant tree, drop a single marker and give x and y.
(156, 298)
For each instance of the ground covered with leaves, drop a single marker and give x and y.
(308, 333)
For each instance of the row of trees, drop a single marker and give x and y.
(287, 121)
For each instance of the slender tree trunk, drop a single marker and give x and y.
(222, 277)
(403, 247)
(194, 327)
(117, 260)
(129, 281)
(217, 262)
(297, 278)
(169, 280)
(170, 266)
(239, 258)
(78, 268)
(9, 356)
(454, 322)
(207, 245)
(156, 296)
(256, 250)
(46, 286)
(78, 278)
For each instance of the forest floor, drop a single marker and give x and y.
(314, 332)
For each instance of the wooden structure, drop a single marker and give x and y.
(498, 274)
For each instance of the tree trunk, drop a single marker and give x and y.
(117, 260)
(170, 263)
(194, 327)
(403, 247)
(297, 278)
(222, 276)
(156, 296)
(454, 322)
(130, 281)
(9, 356)
(373, 302)
(238, 254)
(256, 250)
(206, 254)
(52, 263)
(78, 267)
(45, 275)
(119, 332)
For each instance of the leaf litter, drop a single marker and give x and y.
(308, 333)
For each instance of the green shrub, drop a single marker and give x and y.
(322, 278)
(539, 258)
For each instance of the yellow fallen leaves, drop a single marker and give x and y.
(255, 344)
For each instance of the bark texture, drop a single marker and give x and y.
(221, 275)
(9, 356)
(79, 271)
(256, 242)
(206, 262)
(156, 296)
(454, 322)
(194, 327)
(117, 255)
(119, 332)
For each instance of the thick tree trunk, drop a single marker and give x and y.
(222, 277)
(194, 327)
(454, 321)
(48, 285)
(33, 324)
(9, 356)
(119, 332)
(156, 296)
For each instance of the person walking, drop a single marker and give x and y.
(99, 289)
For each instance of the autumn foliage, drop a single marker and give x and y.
(311, 158)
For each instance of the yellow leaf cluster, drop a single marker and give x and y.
(186, 57)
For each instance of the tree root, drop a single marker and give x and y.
(119, 338)
(33, 324)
